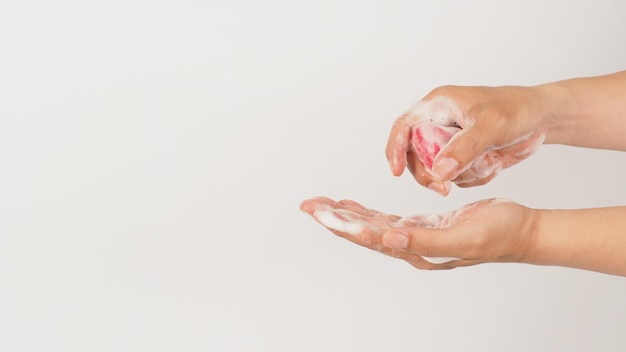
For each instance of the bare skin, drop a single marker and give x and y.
(497, 120)
(491, 231)
(485, 231)
(583, 112)
(505, 122)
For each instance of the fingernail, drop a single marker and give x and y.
(437, 187)
(396, 240)
(445, 168)
(446, 188)
(392, 163)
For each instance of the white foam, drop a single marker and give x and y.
(532, 147)
(444, 112)
(440, 260)
(330, 220)
(440, 110)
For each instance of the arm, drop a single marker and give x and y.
(587, 112)
(591, 239)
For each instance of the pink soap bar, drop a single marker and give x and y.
(428, 139)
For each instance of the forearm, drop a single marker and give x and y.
(587, 112)
(590, 239)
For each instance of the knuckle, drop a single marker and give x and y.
(468, 141)
(445, 90)
(400, 124)
(492, 119)
(394, 254)
(422, 178)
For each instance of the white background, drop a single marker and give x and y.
(153, 156)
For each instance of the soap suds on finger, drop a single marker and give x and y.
(439, 110)
(440, 260)
(439, 121)
(330, 219)
(353, 219)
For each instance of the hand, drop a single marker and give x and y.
(485, 130)
(493, 230)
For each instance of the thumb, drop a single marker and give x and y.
(433, 245)
(462, 149)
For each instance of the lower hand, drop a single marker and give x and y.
(493, 230)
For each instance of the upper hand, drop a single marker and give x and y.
(489, 129)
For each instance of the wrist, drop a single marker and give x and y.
(551, 109)
(531, 233)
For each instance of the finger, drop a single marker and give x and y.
(346, 223)
(428, 221)
(517, 152)
(340, 221)
(425, 177)
(482, 170)
(422, 262)
(463, 263)
(489, 164)
(463, 149)
(347, 216)
(357, 208)
(313, 204)
(372, 238)
(398, 145)
(365, 238)
(474, 183)
(425, 242)
(416, 261)
(333, 215)
(433, 266)
(418, 170)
